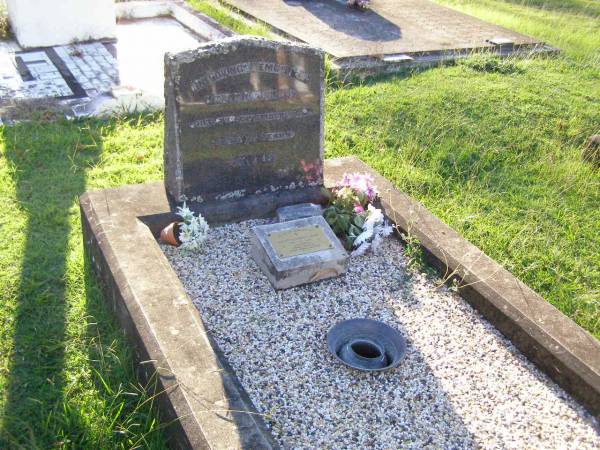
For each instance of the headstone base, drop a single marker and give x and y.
(298, 252)
(252, 206)
(298, 211)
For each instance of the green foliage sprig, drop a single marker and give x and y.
(346, 224)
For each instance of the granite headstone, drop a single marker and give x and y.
(244, 125)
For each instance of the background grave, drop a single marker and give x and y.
(390, 35)
(106, 76)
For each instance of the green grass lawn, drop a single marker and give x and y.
(492, 148)
(65, 372)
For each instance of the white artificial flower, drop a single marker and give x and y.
(193, 230)
(185, 213)
(194, 225)
(374, 229)
(361, 249)
(364, 236)
(374, 217)
(185, 234)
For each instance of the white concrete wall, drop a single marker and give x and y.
(42, 23)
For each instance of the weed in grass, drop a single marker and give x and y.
(591, 151)
(485, 62)
(5, 32)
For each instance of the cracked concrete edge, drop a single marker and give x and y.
(567, 353)
(202, 404)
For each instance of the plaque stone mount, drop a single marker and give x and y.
(298, 252)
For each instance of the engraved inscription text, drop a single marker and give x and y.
(299, 241)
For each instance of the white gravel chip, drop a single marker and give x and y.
(461, 384)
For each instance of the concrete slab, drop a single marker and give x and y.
(198, 391)
(388, 27)
(395, 33)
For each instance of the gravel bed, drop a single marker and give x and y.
(461, 384)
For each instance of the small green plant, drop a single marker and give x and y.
(486, 62)
(345, 224)
(413, 251)
(193, 229)
(4, 25)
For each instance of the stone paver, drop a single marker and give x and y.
(31, 75)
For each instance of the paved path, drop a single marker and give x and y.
(79, 73)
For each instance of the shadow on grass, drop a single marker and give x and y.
(137, 428)
(51, 399)
(47, 184)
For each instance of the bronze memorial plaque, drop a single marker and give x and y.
(299, 241)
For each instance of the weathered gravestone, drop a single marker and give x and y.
(244, 126)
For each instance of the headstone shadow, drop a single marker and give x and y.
(364, 25)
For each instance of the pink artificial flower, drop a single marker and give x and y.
(311, 170)
(358, 208)
(360, 183)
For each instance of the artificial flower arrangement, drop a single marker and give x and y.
(353, 216)
(358, 4)
(189, 233)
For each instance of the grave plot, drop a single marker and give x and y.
(108, 75)
(391, 35)
(459, 385)
(240, 324)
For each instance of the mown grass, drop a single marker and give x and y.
(222, 14)
(66, 374)
(492, 147)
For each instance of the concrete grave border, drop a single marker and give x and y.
(200, 394)
(200, 24)
(347, 67)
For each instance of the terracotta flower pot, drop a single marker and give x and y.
(170, 234)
